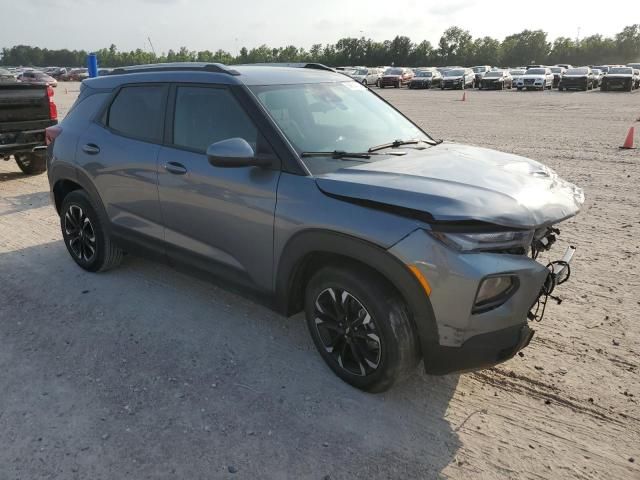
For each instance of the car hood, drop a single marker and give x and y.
(452, 182)
(453, 78)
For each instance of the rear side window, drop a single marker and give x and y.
(138, 112)
(205, 115)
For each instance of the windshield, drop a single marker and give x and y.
(556, 70)
(493, 75)
(394, 71)
(454, 73)
(516, 72)
(423, 74)
(361, 71)
(577, 71)
(536, 71)
(627, 71)
(325, 117)
(479, 69)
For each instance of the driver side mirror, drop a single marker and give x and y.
(234, 153)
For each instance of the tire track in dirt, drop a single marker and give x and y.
(513, 382)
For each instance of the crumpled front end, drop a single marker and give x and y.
(474, 332)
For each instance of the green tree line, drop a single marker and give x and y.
(455, 47)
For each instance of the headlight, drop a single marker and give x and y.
(486, 242)
(494, 291)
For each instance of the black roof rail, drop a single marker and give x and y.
(176, 67)
(311, 65)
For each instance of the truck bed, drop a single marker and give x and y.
(24, 114)
(23, 102)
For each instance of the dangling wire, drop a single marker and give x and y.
(551, 282)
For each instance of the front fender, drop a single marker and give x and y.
(310, 242)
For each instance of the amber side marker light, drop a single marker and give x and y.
(423, 281)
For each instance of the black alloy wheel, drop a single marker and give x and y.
(347, 331)
(80, 234)
(85, 235)
(360, 326)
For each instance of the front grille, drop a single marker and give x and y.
(529, 81)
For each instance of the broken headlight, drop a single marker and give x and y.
(517, 241)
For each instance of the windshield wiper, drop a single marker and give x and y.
(395, 144)
(338, 154)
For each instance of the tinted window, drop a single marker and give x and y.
(207, 115)
(577, 71)
(536, 71)
(627, 71)
(138, 112)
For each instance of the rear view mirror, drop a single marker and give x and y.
(233, 153)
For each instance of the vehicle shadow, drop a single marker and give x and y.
(8, 176)
(148, 371)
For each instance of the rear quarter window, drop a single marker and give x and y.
(85, 109)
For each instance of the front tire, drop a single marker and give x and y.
(31, 163)
(361, 327)
(85, 236)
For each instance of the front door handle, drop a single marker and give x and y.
(175, 168)
(91, 149)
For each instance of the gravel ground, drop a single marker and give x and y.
(144, 372)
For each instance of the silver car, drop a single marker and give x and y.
(536, 78)
(366, 76)
(398, 248)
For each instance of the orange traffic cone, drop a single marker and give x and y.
(464, 97)
(628, 142)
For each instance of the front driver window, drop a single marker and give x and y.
(205, 115)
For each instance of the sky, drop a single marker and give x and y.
(230, 25)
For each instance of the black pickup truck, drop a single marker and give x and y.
(26, 110)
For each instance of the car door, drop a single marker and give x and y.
(217, 219)
(119, 152)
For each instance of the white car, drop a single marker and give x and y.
(536, 79)
(366, 76)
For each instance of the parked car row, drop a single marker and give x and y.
(485, 77)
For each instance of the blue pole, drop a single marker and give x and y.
(92, 65)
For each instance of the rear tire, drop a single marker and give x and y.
(85, 236)
(361, 327)
(31, 163)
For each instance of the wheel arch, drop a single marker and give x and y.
(308, 251)
(65, 179)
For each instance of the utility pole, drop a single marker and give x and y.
(152, 49)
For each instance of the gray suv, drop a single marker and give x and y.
(397, 247)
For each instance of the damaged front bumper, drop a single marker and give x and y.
(469, 339)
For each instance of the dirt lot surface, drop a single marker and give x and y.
(143, 372)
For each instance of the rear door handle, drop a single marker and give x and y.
(175, 168)
(91, 149)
